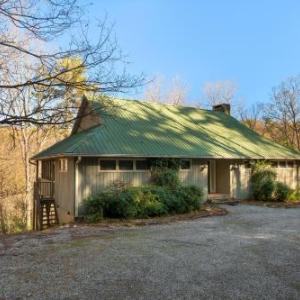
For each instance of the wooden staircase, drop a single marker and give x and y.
(48, 213)
(45, 211)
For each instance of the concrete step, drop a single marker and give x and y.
(218, 198)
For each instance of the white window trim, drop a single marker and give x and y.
(117, 170)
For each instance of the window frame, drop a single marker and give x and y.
(117, 165)
(63, 165)
(190, 162)
(140, 170)
(113, 170)
(124, 159)
(282, 164)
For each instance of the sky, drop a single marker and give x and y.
(254, 43)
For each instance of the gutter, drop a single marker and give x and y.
(77, 182)
(61, 155)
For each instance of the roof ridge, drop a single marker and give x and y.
(144, 101)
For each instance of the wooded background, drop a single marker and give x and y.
(42, 81)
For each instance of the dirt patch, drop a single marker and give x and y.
(271, 204)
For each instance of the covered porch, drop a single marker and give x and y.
(228, 180)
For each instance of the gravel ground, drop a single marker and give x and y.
(252, 253)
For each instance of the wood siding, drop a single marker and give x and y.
(240, 179)
(64, 192)
(288, 175)
(91, 180)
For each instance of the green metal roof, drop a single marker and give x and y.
(143, 129)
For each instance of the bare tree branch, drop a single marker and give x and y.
(24, 24)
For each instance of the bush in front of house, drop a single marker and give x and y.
(282, 192)
(166, 195)
(294, 196)
(263, 181)
(264, 185)
(143, 202)
(165, 177)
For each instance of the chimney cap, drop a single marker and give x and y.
(222, 107)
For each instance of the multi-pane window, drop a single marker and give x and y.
(282, 164)
(48, 170)
(274, 164)
(108, 164)
(290, 164)
(185, 164)
(142, 165)
(63, 164)
(125, 165)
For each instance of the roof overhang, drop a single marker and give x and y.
(62, 155)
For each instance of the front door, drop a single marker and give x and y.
(219, 176)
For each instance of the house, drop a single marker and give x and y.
(112, 141)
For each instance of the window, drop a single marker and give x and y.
(63, 165)
(185, 164)
(274, 164)
(125, 164)
(108, 164)
(290, 164)
(48, 170)
(142, 165)
(248, 165)
(282, 164)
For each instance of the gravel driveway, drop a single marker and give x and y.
(252, 253)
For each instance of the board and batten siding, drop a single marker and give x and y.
(288, 175)
(91, 180)
(65, 192)
(240, 179)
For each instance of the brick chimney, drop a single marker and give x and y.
(223, 107)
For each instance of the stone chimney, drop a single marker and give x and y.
(223, 107)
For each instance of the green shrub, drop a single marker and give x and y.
(282, 192)
(94, 207)
(263, 182)
(165, 177)
(192, 197)
(143, 202)
(121, 205)
(294, 196)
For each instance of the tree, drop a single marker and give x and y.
(282, 113)
(29, 137)
(158, 91)
(178, 92)
(219, 92)
(24, 24)
(252, 116)
(153, 91)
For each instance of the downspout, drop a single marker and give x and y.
(35, 205)
(77, 162)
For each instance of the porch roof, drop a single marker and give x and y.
(143, 129)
